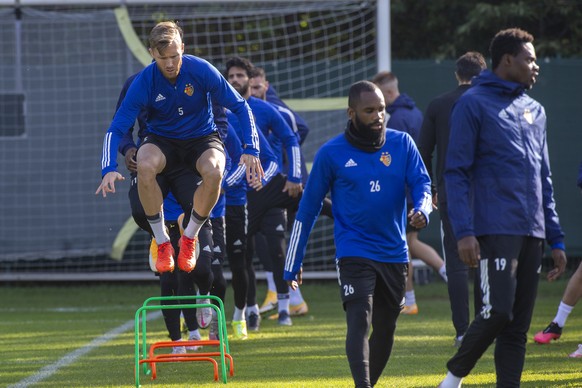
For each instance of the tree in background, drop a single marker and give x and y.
(444, 29)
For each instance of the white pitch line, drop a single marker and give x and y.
(68, 359)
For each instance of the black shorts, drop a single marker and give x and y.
(180, 153)
(269, 197)
(182, 182)
(361, 278)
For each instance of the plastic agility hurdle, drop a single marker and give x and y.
(149, 358)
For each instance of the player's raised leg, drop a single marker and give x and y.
(150, 162)
(210, 166)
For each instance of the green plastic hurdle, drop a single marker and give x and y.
(141, 313)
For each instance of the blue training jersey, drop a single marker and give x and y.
(298, 124)
(172, 208)
(269, 160)
(368, 195)
(234, 183)
(270, 122)
(300, 129)
(127, 142)
(178, 111)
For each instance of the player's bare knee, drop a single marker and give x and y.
(213, 176)
(146, 172)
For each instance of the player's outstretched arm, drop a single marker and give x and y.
(254, 169)
(108, 183)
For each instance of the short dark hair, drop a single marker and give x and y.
(257, 72)
(241, 62)
(357, 89)
(509, 41)
(469, 65)
(383, 77)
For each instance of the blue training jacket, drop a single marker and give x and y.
(405, 116)
(368, 196)
(298, 124)
(180, 111)
(270, 122)
(128, 142)
(235, 182)
(497, 172)
(269, 160)
(172, 209)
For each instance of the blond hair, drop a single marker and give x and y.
(163, 34)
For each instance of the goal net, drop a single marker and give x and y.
(61, 72)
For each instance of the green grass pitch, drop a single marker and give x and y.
(52, 336)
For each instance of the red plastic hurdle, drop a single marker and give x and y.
(148, 359)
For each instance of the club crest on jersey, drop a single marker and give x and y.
(189, 90)
(386, 158)
(528, 116)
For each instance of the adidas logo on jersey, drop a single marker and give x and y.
(160, 98)
(280, 228)
(351, 163)
(207, 249)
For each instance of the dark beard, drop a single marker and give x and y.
(364, 137)
(242, 90)
(365, 131)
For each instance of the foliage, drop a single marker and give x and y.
(445, 29)
(420, 29)
(267, 30)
